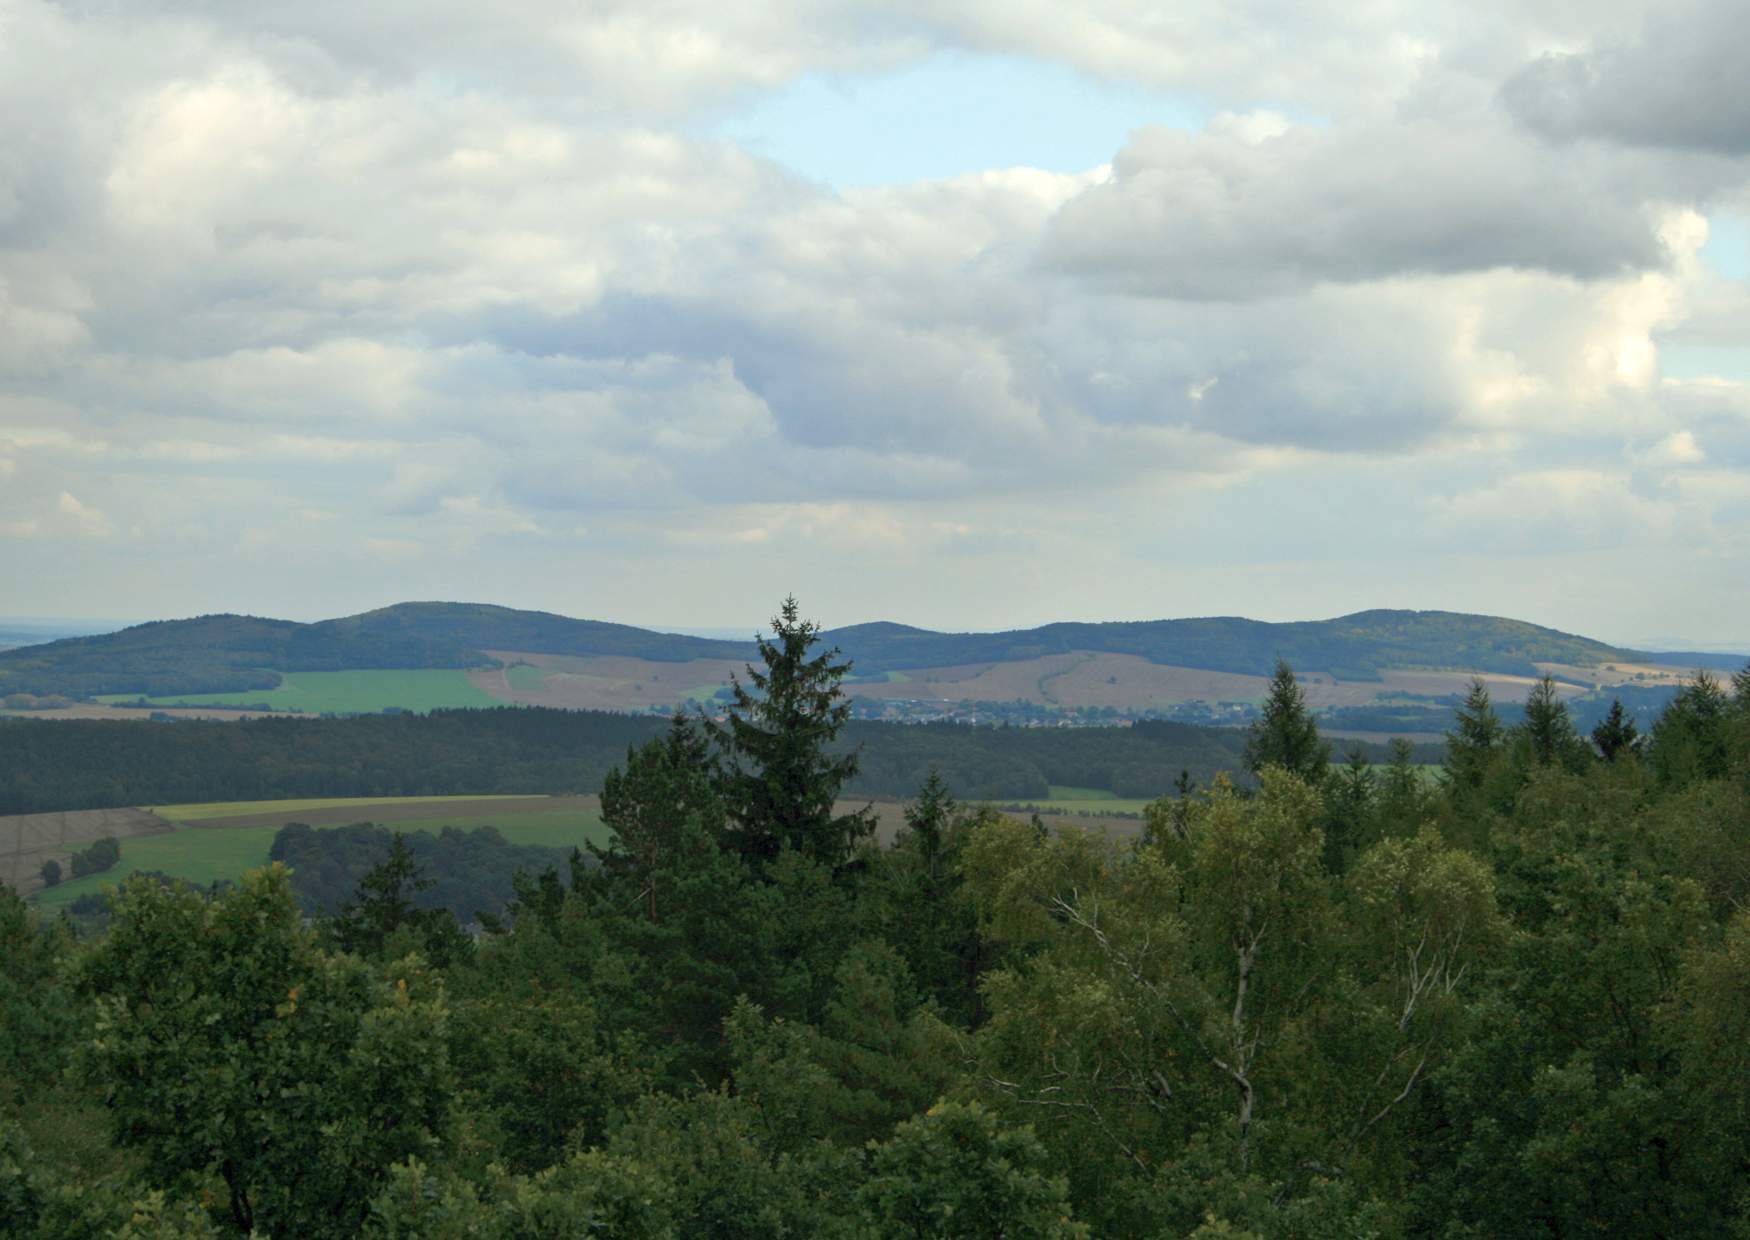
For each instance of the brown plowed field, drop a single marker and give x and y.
(28, 840)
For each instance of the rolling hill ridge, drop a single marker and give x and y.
(230, 653)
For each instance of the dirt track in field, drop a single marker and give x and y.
(28, 840)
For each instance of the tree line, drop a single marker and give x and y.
(99, 764)
(1343, 1001)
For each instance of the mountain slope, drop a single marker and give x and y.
(1356, 647)
(211, 654)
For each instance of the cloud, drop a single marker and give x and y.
(1679, 83)
(471, 283)
(85, 520)
(1237, 213)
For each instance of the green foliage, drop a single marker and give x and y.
(81, 764)
(463, 873)
(1472, 745)
(1693, 739)
(1617, 736)
(100, 856)
(37, 1016)
(779, 780)
(1548, 733)
(384, 912)
(51, 872)
(228, 1045)
(1285, 734)
(1513, 1004)
(955, 1171)
(667, 786)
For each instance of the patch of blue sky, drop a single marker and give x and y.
(1728, 245)
(1705, 361)
(951, 114)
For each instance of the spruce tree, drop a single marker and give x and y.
(667, 784)
(1617, 734)
(1548, 731)
(1691, 739)
(1285, 734)
(1474, 740)
(778, 780)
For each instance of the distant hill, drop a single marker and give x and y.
(1356, 647)
(229, 653)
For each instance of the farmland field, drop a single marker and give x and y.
(360, 692)
(1084, 802)
(242, 809)
(243, 831)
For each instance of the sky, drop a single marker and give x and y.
(964, 314)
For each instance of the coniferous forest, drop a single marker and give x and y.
(1317, 999)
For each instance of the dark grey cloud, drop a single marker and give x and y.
(1681, 84)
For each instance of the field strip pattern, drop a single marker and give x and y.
(28, 840)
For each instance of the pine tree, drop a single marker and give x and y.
(1617, 734)
(666, 784)
(1476, 736)
(1353, 790)
(779, 781)
(1691, 739)
(1285, 734)
(1548, 732)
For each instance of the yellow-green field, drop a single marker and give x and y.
(355, 692)
(1094, 801)
(207, 854)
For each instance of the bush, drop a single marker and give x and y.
(99, 857)
(51, 872)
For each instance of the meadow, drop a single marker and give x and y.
(206, 854)
(342, 693)
(1090, 801)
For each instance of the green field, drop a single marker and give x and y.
(523, 676)
(1091, 801)
(208, 854)
(359, 692)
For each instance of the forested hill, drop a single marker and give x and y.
(230, 653)
(1356, 647)
(219, 654)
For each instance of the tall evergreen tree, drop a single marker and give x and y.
(1617, 734)
(1691, 741)
(1285, 734)
(1475, 739)
(1547, 727)
(779, 781)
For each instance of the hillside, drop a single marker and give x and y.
(1357, 647)
(228, 653)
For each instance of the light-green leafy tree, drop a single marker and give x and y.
(228, 1045)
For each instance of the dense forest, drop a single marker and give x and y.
(99, 764)
(232, 653)
(1336, 1003)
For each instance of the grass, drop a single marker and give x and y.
(1093, 801)
(523, 676)
(208, 854)
(356, 692)
(238, 809)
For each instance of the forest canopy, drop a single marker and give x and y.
(1345, 1001)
